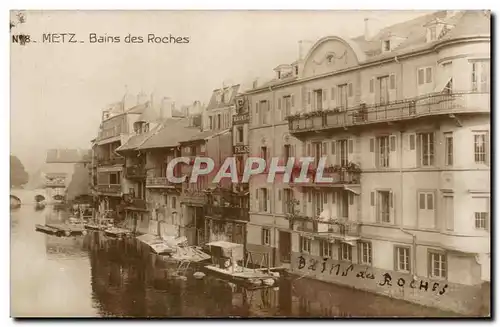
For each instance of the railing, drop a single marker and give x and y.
(137, 203)
(339, 175)
(109, 132)
(234, 213)
(111, 161)
(340, 229)
(135, 172)
(109, 188)
(432, 104)
(55, 183)
(161, 182)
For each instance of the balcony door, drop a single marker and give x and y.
(318, 203)
(344, 205)
(342, 152)
(317, 148)
(285, 246)
(318, 99)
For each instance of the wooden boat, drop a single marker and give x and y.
(225, 256)
(46, 229)
(116, 232)
(67, 229)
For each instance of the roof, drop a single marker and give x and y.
(68, 156)
(148, 114)
(202, 135)
(137, 140)
(139, 109)
(214, 104)
(172, 131)
(225, 244)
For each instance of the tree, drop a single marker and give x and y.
(18, 176)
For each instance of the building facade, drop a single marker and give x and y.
(402, 117)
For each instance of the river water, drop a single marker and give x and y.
(94, 276)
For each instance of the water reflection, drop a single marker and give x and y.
(94, 275)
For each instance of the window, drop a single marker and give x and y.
(266, 236)
(239, 132)
(210, 123)
(387, 45)
(286, 152)
(426, 201)
(383, 151)
(287, 106)
(296, 70)
(372, 86)
(174, 202)
(287, 198)
(342, 97)
(318, 99)
(342, 156)
(481, 76)
(448, 144)
(262, 197)
(305, 244)
(325, 248)
(481, 213)
(480, 140)
(432, 33)
(426, 210)
(365, 253)
(383, 83)
(449, 211)
(384, 204)
(402, 259)
(437, 265)
(263, 112)
(424, 75)
(345, 252)
(114, 178)
(263, 153)
(425, 142)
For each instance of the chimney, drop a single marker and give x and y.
(370, 29)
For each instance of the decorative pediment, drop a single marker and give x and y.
(332, 54)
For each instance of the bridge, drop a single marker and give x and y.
(27, 196)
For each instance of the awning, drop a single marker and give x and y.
(356, 189)
(110, 169)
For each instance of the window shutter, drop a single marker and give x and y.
(429, 264)
(392, 82)
(257, 200)
(351, 198)
(332, 96)
(420, 76)
(325, 197)
(308, 149)
(372, 199)
(262, 232)
(279, 103)
(430, 201)
(351, 146)
(324, 149)
(428, 75)
(333, 196)
(333, 147)
(421, 201)
(350, 90)
(292, 100)
(412, 141)
(268, 201)
(308, 97)
(256, 108)
(325, 94)
(372, 145)
(393, 142)
(309, 196)
(391, 198)
(279, 195)
(396, 268)
(372, 85)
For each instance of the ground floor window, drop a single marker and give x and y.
(402, 260)
(345, 252)
(437, 264)
(266, 236)
(325, 248)
(305, 244)
(365, 253)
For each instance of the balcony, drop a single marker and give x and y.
(112, 189)
(429, 105)
(232, 213)
(333, 230)
(136, 204)
(162, 182)
(109, 132)
(55, 183)
(135, 172)
(110, 161)
(341, 175)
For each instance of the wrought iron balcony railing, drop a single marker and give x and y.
(161, 182)
(135, 172)
(111, 161)
(234, 213)
(331, 230)
(428, 105)
(109, 188)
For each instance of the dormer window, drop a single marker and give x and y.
(432, 33)
(296, 70)
(279, 75)
(387, 45)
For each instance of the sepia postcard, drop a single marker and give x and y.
(332, 164)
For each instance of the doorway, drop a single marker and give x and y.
(285, 247)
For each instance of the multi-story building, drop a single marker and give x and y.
(226, 208)
(402, 117)
(116, 128)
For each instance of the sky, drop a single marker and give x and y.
(58, 90)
